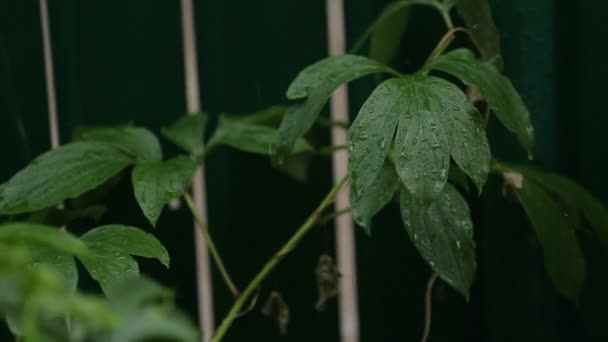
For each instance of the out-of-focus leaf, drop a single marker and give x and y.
(564, 260)
(571, 194)
(389, 26)
(251, 138)
(188, 132)
(153, 324)
(62, 263)
(155, 184)
(375, 197)
(313, 86)
(496, 88)
(478, 19)
(138, 142)
(267, 116)
(443, 234)
(60, 174)
(129, 293)
(296, 166)
(31, 233)
(386, 38)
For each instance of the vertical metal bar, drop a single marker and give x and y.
(193, 102)
(345, 239)
(49, 74)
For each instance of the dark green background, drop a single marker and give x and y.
(121, 61)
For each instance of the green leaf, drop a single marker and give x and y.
(137, 292)
(436, 121)
(188, 132)
(127, 240)
(154, 324)
(388, 29)
(370, 135)
(155, 184)
(387, 35)
(250, 137)
(496, 88)
(112, 247)
(60, 174)
(314, 85)
(38, 234)
(107, 267)
(296, 166)
(146, 310)
(564, 260)
(571, 194)
(478, 19)
(374, 198)
(443, 234)
(138, 142)
(267, 116)
(60, 262)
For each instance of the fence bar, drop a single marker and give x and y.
(193, 103)
(345, 239)
(49, 74)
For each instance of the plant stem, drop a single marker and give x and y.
(325, 218)
(329, 150)
(444, 42)
(212, 248)
(274, 261)
(445, 15)
(428, 306)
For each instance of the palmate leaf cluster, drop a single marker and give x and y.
(416, 133)
(38, 202)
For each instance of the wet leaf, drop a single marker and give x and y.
(496, 88)
(155, 184)
(436, 121)
(61, 174)
(313, 86)
(112, 247)
(374, 198)
(137, 142)
(370, 135)
(443, 234)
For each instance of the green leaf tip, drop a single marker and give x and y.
(442, 232)
(312, 87)
(155, 184)
(498, 91)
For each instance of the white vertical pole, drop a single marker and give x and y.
(193, 102)
(49, 74)
(345, 239)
